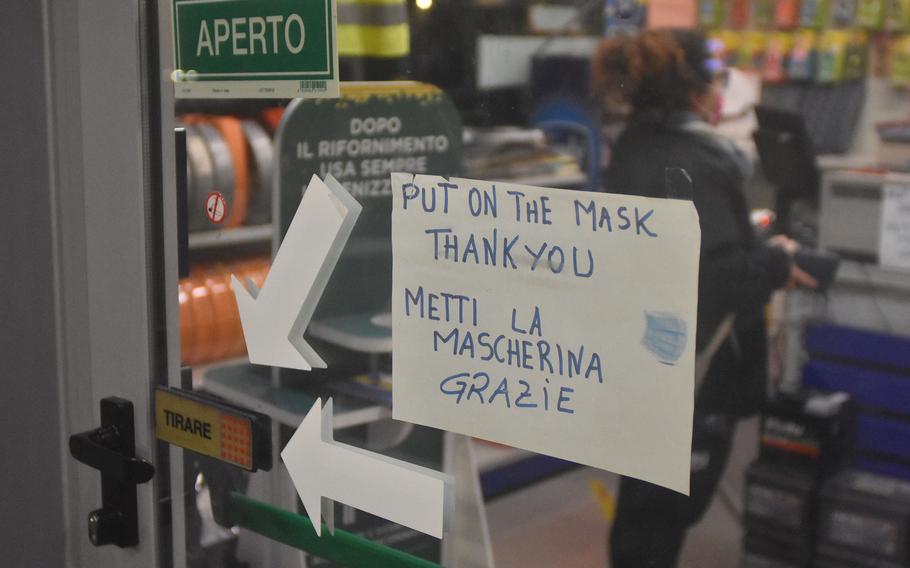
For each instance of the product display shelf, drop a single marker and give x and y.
(250, 386)
(223, 238)
(570, 181)
(852, 273)
(365, 333)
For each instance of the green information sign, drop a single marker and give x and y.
(372, 130)
(255, 49)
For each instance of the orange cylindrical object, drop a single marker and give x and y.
(210, 327)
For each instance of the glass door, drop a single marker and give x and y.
(185, 198)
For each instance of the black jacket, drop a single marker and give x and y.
(736, 274)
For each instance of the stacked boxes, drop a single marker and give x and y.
(779, 514)
(864, 521)
(802, 437)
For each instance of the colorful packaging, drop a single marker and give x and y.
(777, 51)
(786, 14)
(739, 13)
(879, 55)
(814, 13)
(751, 52)
(801, 64)
(900, 62)
(763, 13)
(870, 13)
(712, 13)
(856, 57)
(897, 16)
(832, 55)
(843, 12)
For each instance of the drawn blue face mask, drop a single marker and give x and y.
(665, 336)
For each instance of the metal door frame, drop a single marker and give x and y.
(113, 213)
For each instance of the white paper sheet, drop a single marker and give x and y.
(584, 352)
(894, 229)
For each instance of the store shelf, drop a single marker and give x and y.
(262, 234)
(872, 276)
(251, 388)
(846, 162)
(207, 240)
(359, 332)
(558, 181)
(506, 60)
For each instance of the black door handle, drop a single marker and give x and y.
(93, 448)
(111, 449)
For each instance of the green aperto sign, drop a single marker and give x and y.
(255, 48)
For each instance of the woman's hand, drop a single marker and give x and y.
(798, 277)
(784, 242)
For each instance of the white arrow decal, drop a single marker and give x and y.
(401, 492)
(275, 317)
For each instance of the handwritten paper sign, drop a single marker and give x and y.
(894, 229)
(555, 321)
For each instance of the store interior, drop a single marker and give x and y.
(815, 94)
(830, 131)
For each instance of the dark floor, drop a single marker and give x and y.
(560, 522)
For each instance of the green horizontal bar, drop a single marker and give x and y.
(296, 530)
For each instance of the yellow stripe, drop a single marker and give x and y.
(372, 2)
(374, 41)
(362, 90)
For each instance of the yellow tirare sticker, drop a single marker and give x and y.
(204, 428)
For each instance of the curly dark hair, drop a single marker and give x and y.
(655, 71)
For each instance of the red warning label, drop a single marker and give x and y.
(215, 207)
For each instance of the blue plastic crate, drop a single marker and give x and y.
(868, 387)
(883, 436)
(882, 467)
(858, 346)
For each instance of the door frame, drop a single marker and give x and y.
(113, 213)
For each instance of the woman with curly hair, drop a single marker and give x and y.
(663, 80)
